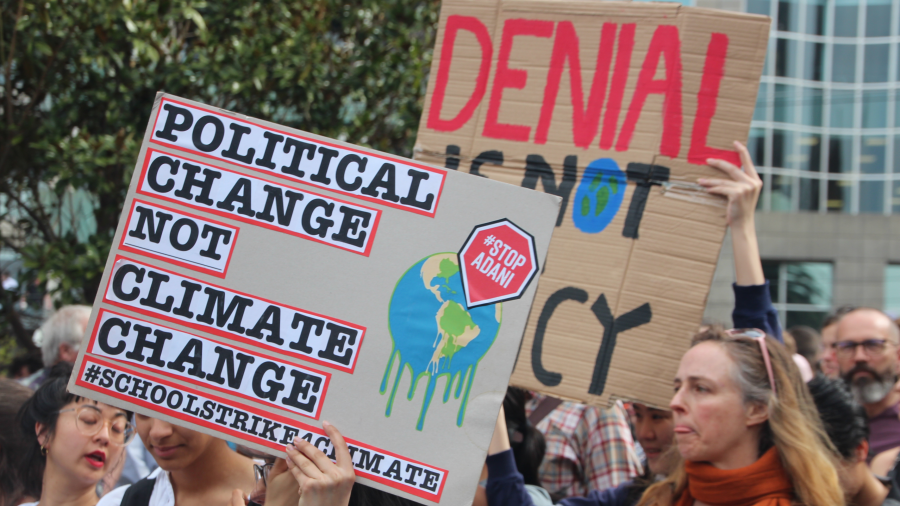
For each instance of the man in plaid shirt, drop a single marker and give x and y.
(588, 448)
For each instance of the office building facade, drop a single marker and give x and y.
(826, 139)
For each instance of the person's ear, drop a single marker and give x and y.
(67, 353)
(40, 430)
(861, 452)
(757, 413)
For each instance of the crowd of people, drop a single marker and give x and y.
(758, 416)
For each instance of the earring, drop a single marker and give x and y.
(43, 450)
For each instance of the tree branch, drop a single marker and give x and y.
(8, 71)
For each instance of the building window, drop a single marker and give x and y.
(801, 291)
(892, 289)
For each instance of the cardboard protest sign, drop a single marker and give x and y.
(265, 279)
(615, 107)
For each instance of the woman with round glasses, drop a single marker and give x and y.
(76, 440)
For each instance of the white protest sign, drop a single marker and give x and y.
(265, 279)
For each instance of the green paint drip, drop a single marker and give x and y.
(446, 339)
(613, 185)
(585, 206)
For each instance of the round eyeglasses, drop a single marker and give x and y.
(89, 421)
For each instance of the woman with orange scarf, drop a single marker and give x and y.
(746, 429)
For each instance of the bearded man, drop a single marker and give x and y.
(868, 353)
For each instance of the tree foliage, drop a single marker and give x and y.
(78, 80)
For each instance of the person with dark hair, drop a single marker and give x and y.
(828, 365)
(12, 445)
(72, 442)
(808, 343)
(527, 442)
(24, 365)
(847, 426)
(198, 469)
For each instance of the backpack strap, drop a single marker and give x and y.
(543, 409)
(138, 494)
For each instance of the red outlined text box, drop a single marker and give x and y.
(402, 163)
(170, 257)
(93, 379)
(145, 187)
(178, 341)
(318, 343)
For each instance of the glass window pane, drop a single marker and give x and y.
(809, 283)
(756, 144)
(788, 16)
(786, 64)
(815, 17)
(812, 319)
(815, 61)
(758, 7)
(876, 63)
(840, 153)
(842, 103)
(895, 198)
(872, 154)
(896, 155)
(845, 20)
(762, 105)
(878, 19)
(839, 196)
(892, 288)
(783, 149)
(810, 151)
(784, 103)
(897, 108)
(871, 197)
(772, 273)
(811, 106)
(843, 63)
(874, 109)
(782, 193)
(809, 194)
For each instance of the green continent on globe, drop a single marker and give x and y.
(455, 330)
(435, 334)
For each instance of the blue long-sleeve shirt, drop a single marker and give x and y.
(506, 487)
(753, 309)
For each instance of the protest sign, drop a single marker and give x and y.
(615, 107)
(266, 279)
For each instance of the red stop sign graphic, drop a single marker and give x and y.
(497, 262)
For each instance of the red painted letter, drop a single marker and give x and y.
(617, 90)
(584, 122)
(665, 42)
(504, 77)
(713, 70)
(456, 23)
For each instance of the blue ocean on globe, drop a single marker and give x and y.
(599, 195)
(435, 334)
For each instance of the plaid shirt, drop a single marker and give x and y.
(588, 448)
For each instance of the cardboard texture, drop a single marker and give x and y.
(615, 107)
(265, 279)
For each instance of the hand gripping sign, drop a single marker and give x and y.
(498, 261)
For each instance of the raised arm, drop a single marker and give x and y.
(753, 305)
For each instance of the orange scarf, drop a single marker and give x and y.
(763, 483)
